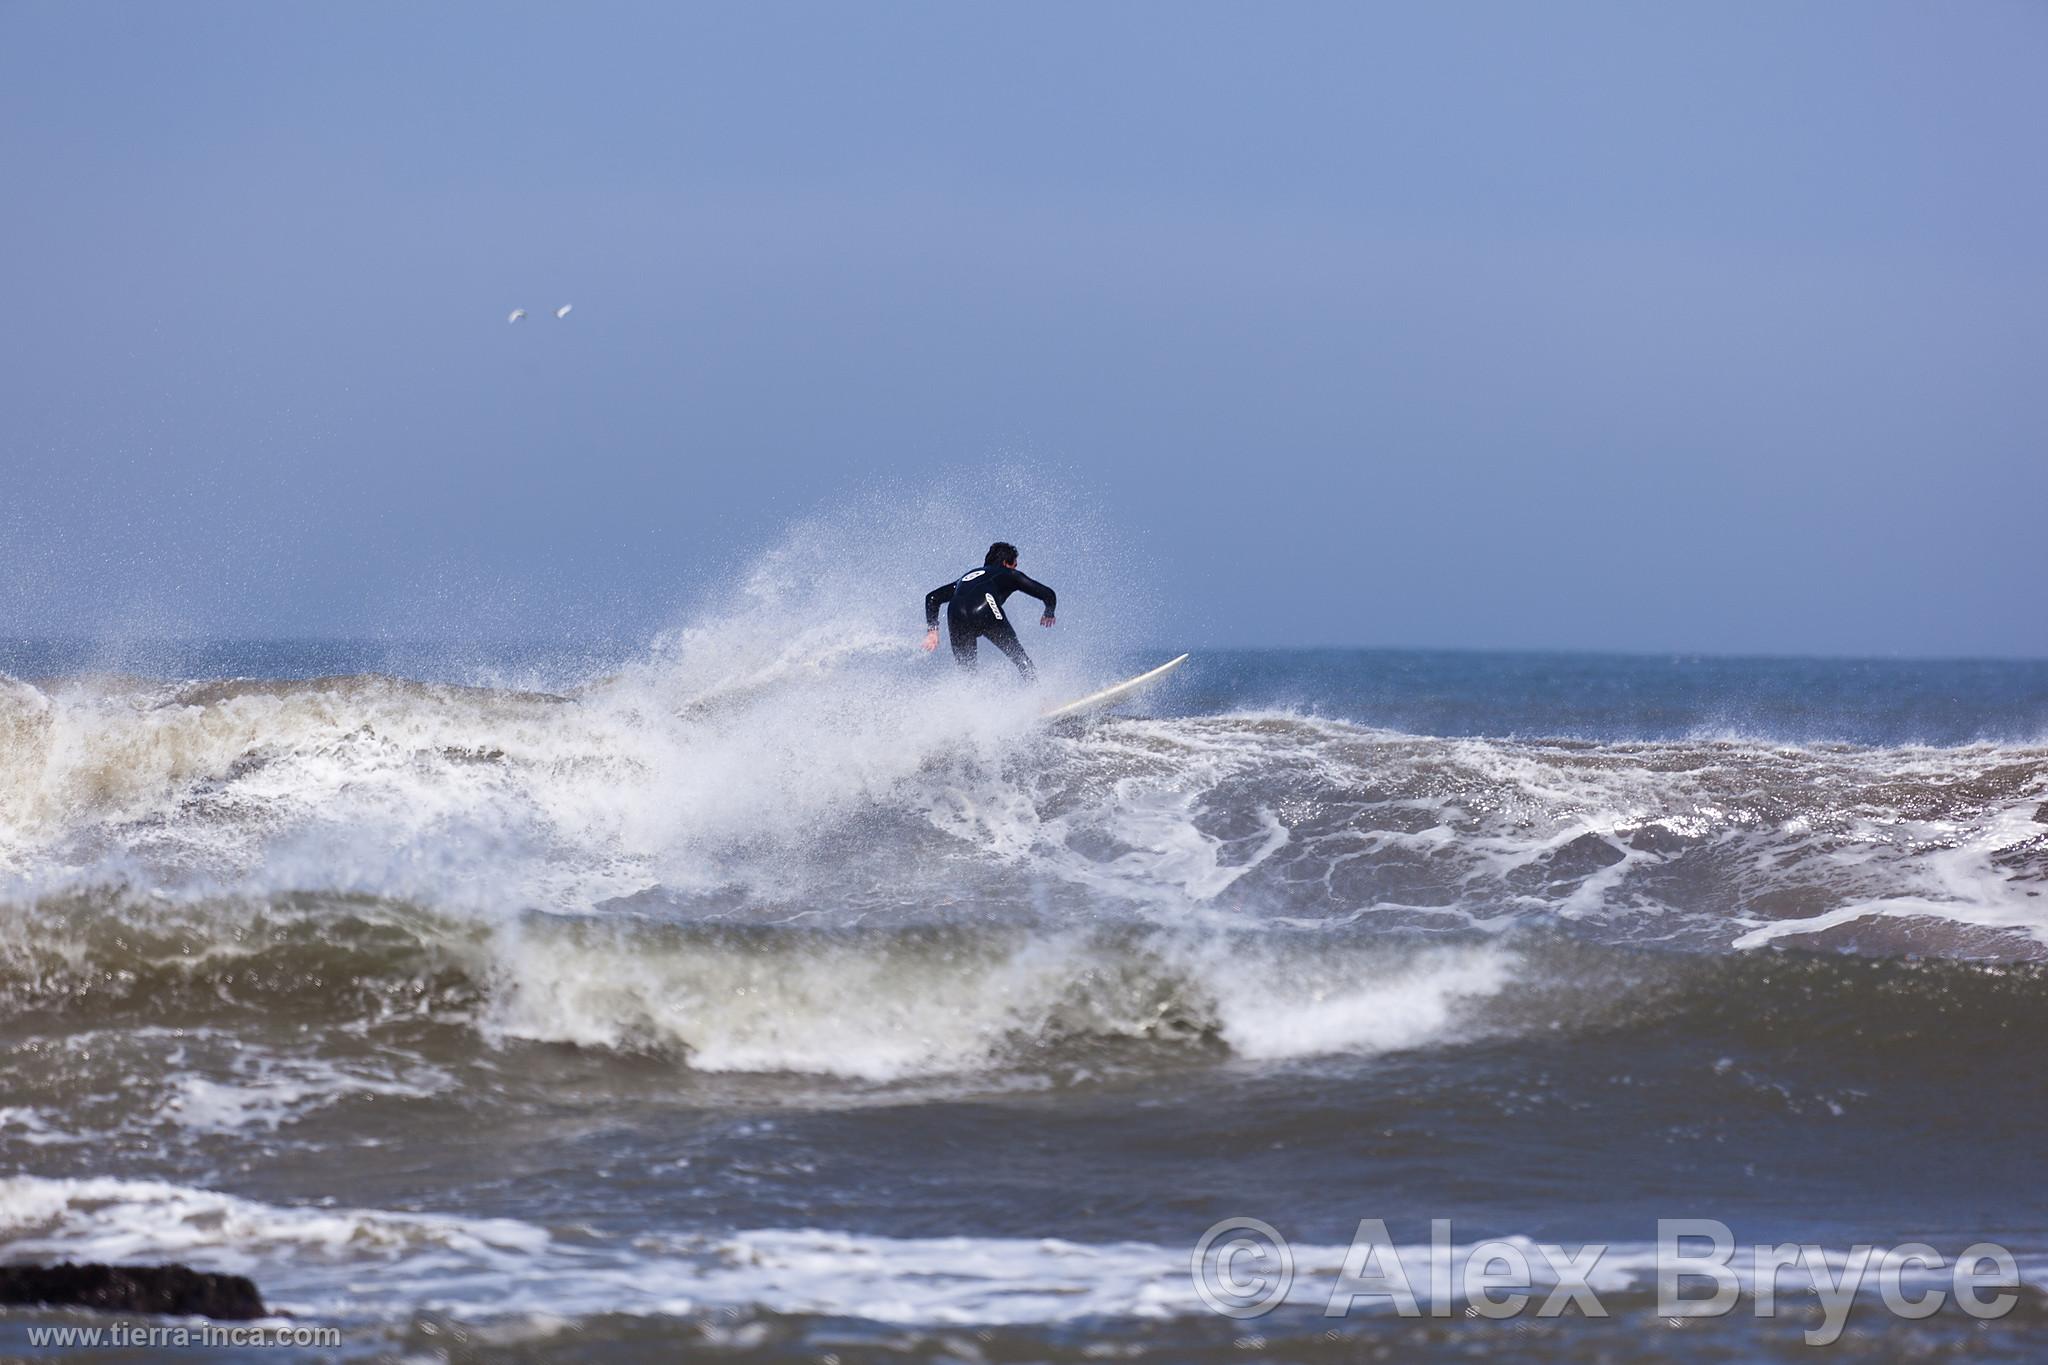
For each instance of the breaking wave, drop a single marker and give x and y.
(887, 794)
(785, 840)
(884, 1004)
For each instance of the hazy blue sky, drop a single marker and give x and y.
(1639, 326)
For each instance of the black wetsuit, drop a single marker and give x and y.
(974, 611)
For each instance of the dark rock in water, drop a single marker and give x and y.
(171, 1289)
(1583, 856)
(1657, 839)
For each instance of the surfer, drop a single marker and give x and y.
(974, 608)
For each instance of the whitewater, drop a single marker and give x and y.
(773, 987)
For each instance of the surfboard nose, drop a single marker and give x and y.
(1110, 696)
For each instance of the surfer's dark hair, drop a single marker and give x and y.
(1002, 552)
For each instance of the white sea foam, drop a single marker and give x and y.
(263, 1091)
(105, 1219)
(1957, 880)
(373, 1265)
(1272, 1008)
(20, 1123)
(883, 1007)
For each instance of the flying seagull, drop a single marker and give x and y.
(517, 313)
(563, 311)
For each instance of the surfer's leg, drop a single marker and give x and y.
(963, 646)
(1004, 637)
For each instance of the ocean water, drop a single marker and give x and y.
(774, 993)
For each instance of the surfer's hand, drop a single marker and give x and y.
(1045, 620)
(931, 640)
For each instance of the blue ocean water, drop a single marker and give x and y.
(1447, 693)
(1643, 697)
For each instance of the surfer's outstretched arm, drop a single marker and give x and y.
(1025, 583)
(933, 600)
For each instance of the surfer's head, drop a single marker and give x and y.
(1002, 552)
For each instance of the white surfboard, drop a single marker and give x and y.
(1110, 696)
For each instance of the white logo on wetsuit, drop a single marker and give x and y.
(970, 577)
(990, 598)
